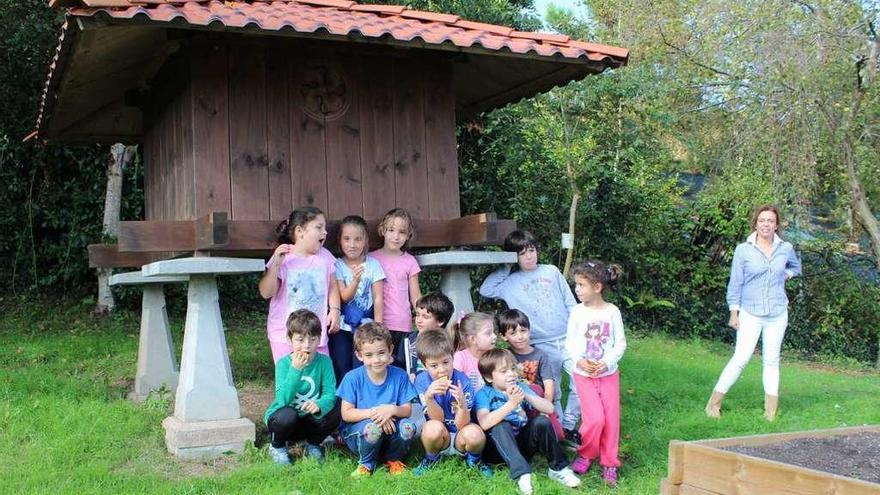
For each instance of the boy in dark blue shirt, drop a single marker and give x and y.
(448, 397)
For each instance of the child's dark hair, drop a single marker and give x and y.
(469, 325)
(438, 305)
(371, 332)
(402, 214)
(298, 218)
(303, 322)
(520, 240)
(358, 221)
(433, 344)
(511, 319)
(599, 272)
(492, 359)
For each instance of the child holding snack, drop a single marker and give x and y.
(502, 412)
(448, 398)
(305, 405)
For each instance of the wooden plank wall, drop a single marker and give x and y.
(233, 134)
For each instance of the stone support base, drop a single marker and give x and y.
(207, 439)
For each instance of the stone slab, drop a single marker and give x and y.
(138, 278)
(207, 439)
(203, 265)
(466, 258)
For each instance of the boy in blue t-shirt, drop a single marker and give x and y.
(447, 397)
(501, 411)
(375, 406)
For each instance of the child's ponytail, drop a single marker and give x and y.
(599, 272)
(298, 218)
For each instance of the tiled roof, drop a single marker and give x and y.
(338, 17)
(341, 19)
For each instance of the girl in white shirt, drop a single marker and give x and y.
(595, 343)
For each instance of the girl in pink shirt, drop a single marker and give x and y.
(474, 336)
(401, 269)
(299, 275)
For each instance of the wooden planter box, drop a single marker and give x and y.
(703, 468)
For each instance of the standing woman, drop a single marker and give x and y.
(758, 306)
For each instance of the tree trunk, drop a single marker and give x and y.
(120, 157)
(572, 216)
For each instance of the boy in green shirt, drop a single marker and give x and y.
(305, 405)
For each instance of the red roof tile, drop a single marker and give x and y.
(336, 17)
(342, 17)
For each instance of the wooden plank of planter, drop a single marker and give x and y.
(667, 488)
(773, 438)
(727, 472)
(675, 462)
(694, 490)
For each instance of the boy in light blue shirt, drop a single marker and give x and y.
(375, 404)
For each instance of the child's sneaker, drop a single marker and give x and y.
(395, 467)
(315, 452)
(524, 483)
(565, 476)
(581, 465)
(279, 455)
(477, 464)
(361, 472)
(609, 475)
(425, 465)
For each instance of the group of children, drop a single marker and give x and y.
(348, 321)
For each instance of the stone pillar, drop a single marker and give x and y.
(207, 419)
(206, 391)
(157, 364)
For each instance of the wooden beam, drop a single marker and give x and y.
(216, 233)
(109, 256)
(156, 235)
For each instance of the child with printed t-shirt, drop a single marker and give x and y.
(305, 405)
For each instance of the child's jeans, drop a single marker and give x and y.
(341, 346)
(554, 419)
(561, 363)
(372, 445)
(600, 417)
(286, 425)
(517, 449)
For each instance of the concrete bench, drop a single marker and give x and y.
(455, 281)
(156, 365)
(207, 418)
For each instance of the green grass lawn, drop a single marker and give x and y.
(66, 427)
